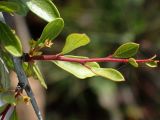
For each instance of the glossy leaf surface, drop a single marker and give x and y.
(78, 69)
(22, 8)
(109, 73)
(43, 8)
(39, 75)
(126, 50)
(74, 41)
(152, 64)
(51, 30)
(133, 62)
(9, 40)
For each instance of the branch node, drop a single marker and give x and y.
(25, 57)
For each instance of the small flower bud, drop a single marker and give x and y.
(26, 99)
(48, 43)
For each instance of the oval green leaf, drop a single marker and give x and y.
(74, 41)
(126, 50)
(51, 30)
(109, 73)
(152, 64)
(39, 75)
(133, 62)
(14, 6)
(43, 8)
(9, 40)
(22, 8)
(78, 69)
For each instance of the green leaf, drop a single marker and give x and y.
(4, 76)
(14, 6)
(126, 50)
(39, 75)
(74, 41)
(152, 64)
(89, 69)
(27, 67)
(92, 65)
(8, 97)
(7, 59)
(51, 30)
(43, 8)
(78, 69)
(9, 40)
(6, 6)
(109, 73)
(133, 62)
(14, 115)
(22, 8)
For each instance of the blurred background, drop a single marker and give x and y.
(108, 23)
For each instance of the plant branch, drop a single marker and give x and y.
(84, 60)
(23, 80)
(24, 84)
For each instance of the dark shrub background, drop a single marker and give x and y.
(108, 23)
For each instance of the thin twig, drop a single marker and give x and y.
(24, 84)
(84, 60)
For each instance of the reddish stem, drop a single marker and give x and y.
(5, 111)
(84, 60)
(3, 114)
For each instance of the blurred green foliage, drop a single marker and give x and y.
(108, 23)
